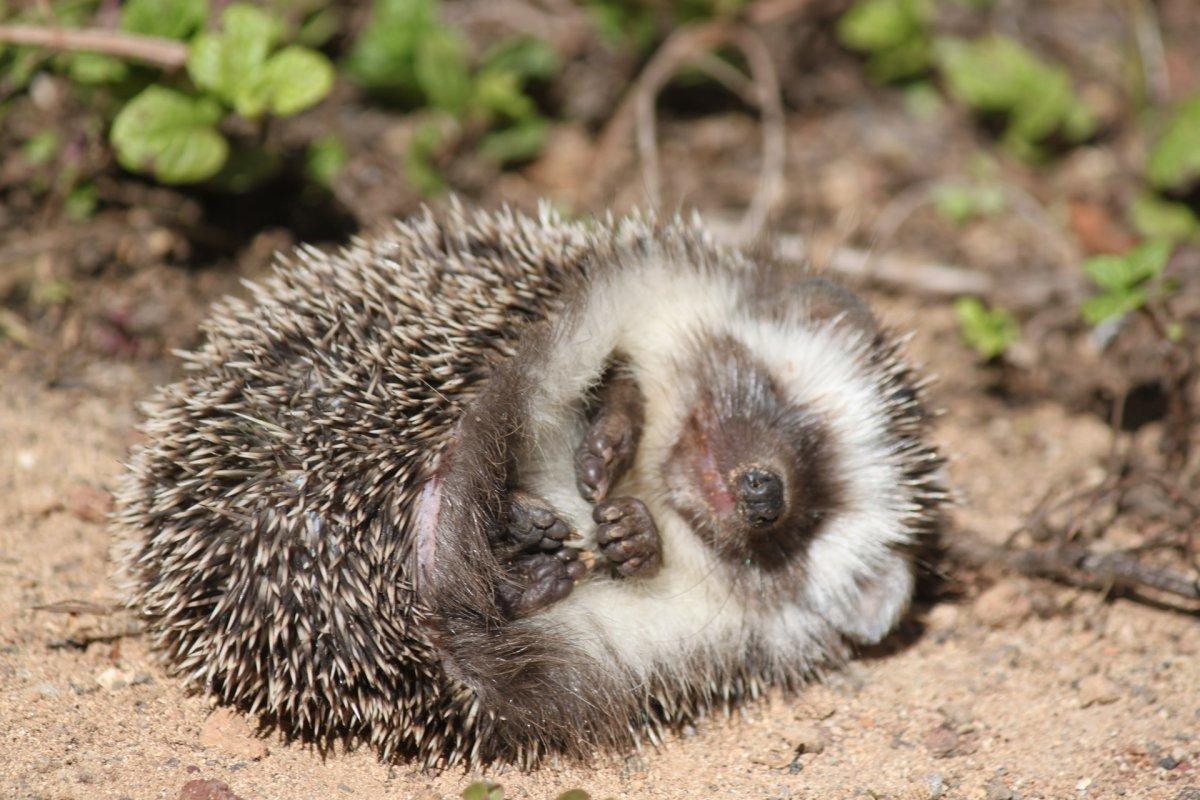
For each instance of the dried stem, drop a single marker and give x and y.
(1072, 564)
(161, 52)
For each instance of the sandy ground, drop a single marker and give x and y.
(1029, 690)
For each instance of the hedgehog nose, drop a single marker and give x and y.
(759, 497)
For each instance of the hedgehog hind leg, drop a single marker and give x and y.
(539, 567)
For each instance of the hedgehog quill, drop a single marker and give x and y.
(493, 487)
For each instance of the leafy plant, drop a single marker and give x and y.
(1124, 280)
(171, 128)
(987, 331)
(1156, 218)
(406, 53)
(962, 202)
(997, 75)
(896, 36)
(170, 135)
(1174, 160)
(483, 790)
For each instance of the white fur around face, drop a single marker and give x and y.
(856, 585)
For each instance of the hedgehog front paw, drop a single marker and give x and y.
(628, 537)
(608, 448)
(537, 580)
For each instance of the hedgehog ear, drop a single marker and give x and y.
(880, 600)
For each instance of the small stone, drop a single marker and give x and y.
(1097, 690)
(942, 741)
(1168, 763)
(809, 739)
(112, 679)
(936, 783)
(1188, 793)
(89, 504)
(942, 617)
(47, 690)
(207, 790)
(996, 789)
(230, 733)
(344, 788)
(1004, 604)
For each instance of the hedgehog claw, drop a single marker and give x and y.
(628, 537)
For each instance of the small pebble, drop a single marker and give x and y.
(941, 741)
(1097, 690)
(207, 790)
(230, 733)
(996, 789)
(942, 617)
(1168, 762)
(1188, 793)
(112, 679)
(936, 784)
(1003, 605)
(809, 739)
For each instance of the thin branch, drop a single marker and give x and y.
(1073, 565)
(685, 44)
(159, 51)
(774, 133)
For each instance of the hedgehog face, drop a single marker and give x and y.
(752, 470)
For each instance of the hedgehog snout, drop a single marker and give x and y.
(760, 496)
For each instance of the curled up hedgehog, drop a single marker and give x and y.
(494, 488)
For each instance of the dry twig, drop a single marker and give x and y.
(1074, 565)
(161, 52)
(695, 43)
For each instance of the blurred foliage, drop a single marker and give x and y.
(408, 56)
(987, 331)
(1174, 160)
(895, 35)
(1124, 280)
(1156, 218)
(996, 75)
(962, 202)
(483, 790)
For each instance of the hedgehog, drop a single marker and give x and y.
(492, 487)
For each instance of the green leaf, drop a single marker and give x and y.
(174, 19)
(875, 25)
(419, 160)
(40, 148)
(960, 203)
(297, 78)
(518, 143)
(385, 53)
(499, 92)
(483, 790)
(997, 75)
(95, 68)
(525, 56)
(170, 135)
(989, 332)
(81, 202)
(1128, 271)
(443, 71)
(895, 34)
(1112, 304)
(575, 794)
(324, 159)
(1155, 218)
(230, 63)
(1174, 161)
